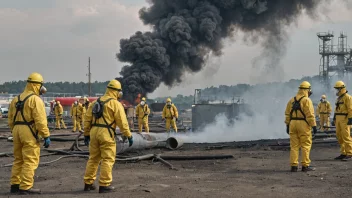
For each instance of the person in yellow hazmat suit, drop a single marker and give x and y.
(170, 114)
(86, 102)
(299, 120)
(343, 120)
(81, 111)
(27, 120)
(58, 110)
(142, 113)
(101, 120)
(73, 113)
(324, 112)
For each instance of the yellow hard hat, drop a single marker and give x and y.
(339, 84)
(168, 100)
(323, 96)
(35, 78)
(143, 99)
(115, 85)
(304, 85)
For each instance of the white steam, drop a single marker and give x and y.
(259, 126)
(268, 102)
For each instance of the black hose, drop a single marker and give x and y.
(315, 142)
(64, 139)
(195, 157)
(59, 151)
(63, 134)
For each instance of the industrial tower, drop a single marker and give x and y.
(335, 59)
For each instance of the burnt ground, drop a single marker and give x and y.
(255, 171)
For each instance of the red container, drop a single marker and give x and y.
(68, 101)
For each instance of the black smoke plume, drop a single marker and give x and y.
(186, 31)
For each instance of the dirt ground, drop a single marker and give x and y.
(258, 171)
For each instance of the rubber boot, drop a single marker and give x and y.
(106, 189)
(15, 188)
(307, 168)
(340, 157)
(347, 158)
(30, 191)
(294, 168)
(88, 187)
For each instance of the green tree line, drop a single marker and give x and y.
(80, 88)
(222, 92)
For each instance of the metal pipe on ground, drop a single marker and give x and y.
(141, 141)
(174, 143)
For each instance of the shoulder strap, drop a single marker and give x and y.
(340, 97)
(106, 101)
(107, 125)
(25, 122)
(21, 110)
(300, 99)
(300, 109)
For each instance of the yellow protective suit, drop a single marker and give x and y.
(142, 113)
(343, 111)
(300, 130)
(102, 147)
(324, 111)
(73, 113)
(58, 110)
(26, 146)
(169, 114)
(81, 111)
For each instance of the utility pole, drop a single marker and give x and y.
(89, 78)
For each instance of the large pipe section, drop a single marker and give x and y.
(147, 140)
(173, 143)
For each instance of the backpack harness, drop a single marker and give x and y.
(19, 108)
(296, 106)
(98, 113)
(338, 103)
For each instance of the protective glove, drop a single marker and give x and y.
(333, 123)
(349, 121)
(86, 140)
(145, 114)
(46, 142)
(287, 129)
(130, 141)
(176, 119)
(314, 130)
(163, 119)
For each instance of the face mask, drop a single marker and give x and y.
(119, 94)
(337, 92)
(75, 102)
(310, 93)
(142, 103)
(168, 103)
(42, 90)
(322, 100)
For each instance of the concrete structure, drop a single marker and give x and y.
(203, 114)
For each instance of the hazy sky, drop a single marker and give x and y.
(56, 37)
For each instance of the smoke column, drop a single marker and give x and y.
(186, 31)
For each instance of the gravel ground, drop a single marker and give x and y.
(257, 171)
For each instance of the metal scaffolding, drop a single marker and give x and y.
(335, 59)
